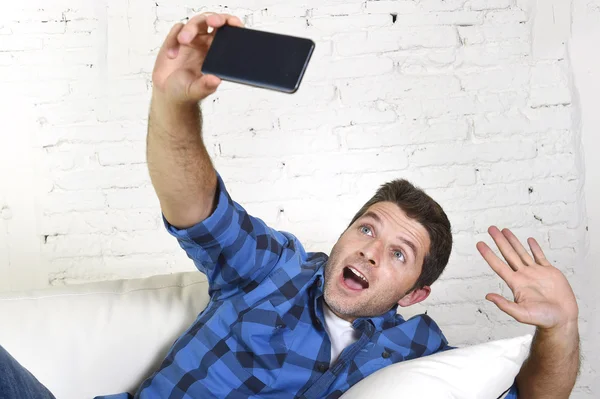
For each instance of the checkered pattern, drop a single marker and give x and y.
(262, 334)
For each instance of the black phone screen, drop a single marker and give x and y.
(258, 58)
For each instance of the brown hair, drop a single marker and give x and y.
(425, 210)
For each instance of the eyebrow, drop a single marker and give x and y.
(374, 216)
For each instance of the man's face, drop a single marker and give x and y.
(387, 248)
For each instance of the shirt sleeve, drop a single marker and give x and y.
(234, 250)
(513, 392)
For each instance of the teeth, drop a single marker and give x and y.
(359, 274)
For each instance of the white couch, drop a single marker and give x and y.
(102, 338)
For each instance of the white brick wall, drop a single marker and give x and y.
(472, 100)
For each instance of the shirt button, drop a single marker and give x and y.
(322, 368)
(385, 355)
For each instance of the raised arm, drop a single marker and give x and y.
(180, 168)
(232, 248)
(544, 298)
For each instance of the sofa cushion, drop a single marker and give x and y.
(99, 338)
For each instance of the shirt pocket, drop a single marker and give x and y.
(259, 341)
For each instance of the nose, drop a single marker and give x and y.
(371, 252)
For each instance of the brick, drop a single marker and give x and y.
(549, 74)
(61, 201)
(351, 162)
(139, 242)
(470, 35)
(385, 40)
(474, 266)
(73, 245)
(508, 16)
(38, 28)
(106, 177)
(349, 68)
(331, 25)
(481, 5)
(91, 133)
(564, 238)
(456, 291)
(454, 18)
(434, 5)
(509, 330)
(389, 6)
(511, 78)
(20, 43)
(225, 124)
(562, 165)
(399, 86)
(341, 9)
(554, 189)
(549, 96)
(462, 336)
(404, 132)
(481, 197)
(429, 38)
(335, 117)
(528, 121)
(122, 154)
(552, 142)
(131, 198)
(448, 107)
(265, 143)
(456, 314)
(436, 154)
(244, 100)
(291, 188)
(424, 61)
(99, 222)
(494, 54)
(356, 43)
(70, 41)
(236, 169)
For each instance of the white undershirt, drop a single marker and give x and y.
(341, 334)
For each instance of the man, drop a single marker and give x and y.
(283, 323)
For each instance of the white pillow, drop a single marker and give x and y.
(483, 371)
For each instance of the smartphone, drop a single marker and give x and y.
(258, 58)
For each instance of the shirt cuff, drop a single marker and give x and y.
(211, 229)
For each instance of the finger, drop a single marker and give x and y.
(171, 45)
(510, 308)
(505, 248)
(537, 252)
(501, 268)
(198, 25)
(518, 247)
(234, 21)
(203, 87)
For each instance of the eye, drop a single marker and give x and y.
(365, 229)
(400, 256)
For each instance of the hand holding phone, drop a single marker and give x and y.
(177, 75)
(258, 58)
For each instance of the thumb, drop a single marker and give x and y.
(508, 307)
(184, 86)
(203, 87)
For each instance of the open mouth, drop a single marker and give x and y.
(354, 279)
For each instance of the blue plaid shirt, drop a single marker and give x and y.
(262, 334)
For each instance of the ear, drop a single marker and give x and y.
(415, 296)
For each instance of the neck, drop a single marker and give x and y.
(349, 319)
